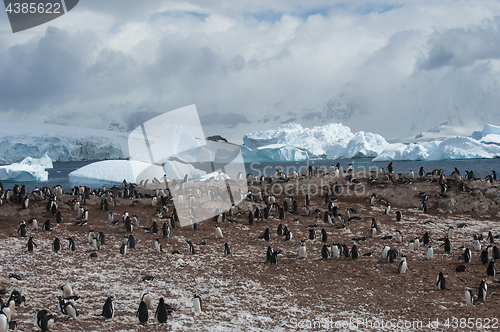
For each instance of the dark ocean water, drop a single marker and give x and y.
(481, 168)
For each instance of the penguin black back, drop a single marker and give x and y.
(161, 311)
(142, 313)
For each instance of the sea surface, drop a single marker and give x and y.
(481, 167)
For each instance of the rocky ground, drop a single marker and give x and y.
(240, 291)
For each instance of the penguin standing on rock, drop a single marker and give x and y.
(481, 293)
(43, 319)
(108, 310)
(161, 311)
(302, 250)
(22, 229)
(56, 246)
(491, 270)
(469, 297)
(218, 232)
(325, 251)
(30, 244)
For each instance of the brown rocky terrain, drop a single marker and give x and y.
(240, 291)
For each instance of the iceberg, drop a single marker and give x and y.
(28, 170)
(273, 152)
(115, 171)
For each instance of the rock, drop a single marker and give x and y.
(477, 193)
(492, 193)
(481, 207)
(448, 205)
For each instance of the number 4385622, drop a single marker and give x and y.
(41, 8)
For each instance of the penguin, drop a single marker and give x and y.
(469, 297)
(34, 222)
(481, 293)
(129, 227)
(59, 217)
(496, 253)
(142, 313)
(447, 245)
(4, 322)
(387, 209)
(325, 251)
(398, 215)
(426, 239)
(123, 249)
(250, 218)
(161, 312)
(71, 310)
(108, 310)
(96, 244)
(312, 234)
(71, 244)
(22, 229)
(484, 257)
(31, 244)
(391, 255)
(42, 319)
(399, 236)
(302, 250)
(46, 225)
(491, 270)
(198, 308)
(218, 232)
(385, 250)
(279, 231)
(324, 235)
(100, 238)
(130, 241)
(269, 253)
(90, 236)
(402, 267)
(146, 298)
(345, 250)
(441, 281)
(226, 249)
(430, 253)
(466, 256)
(274, 257)
(266, 235)
(335, 250)
(190, 247)
(450, 232)
(288, 234)
(166, 229)
(416, 243)
(403, 257)
(490, 237)
(354, 252)
(158, 246)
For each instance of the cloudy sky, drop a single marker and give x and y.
(394, 68)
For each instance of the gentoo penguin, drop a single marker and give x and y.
(496, 252)
(441, 281)
(59, 217)
(324, 235)
(302, 250)
(129, 227)
(450, 232)
(31, 244)
(325, 251)
(26, 202)
(466, 256)
(385, 250)
(198, 308)
(218, 232)
(490, 237)
(146, 298)
(416, 243)
(398, 215)
(108, 310)
(447, 245)
(142, 313)
(411, 175)
(71, 310)
(22, 229)
(34, 222)
(491, 270)
(4, 322)
(430, 253)
(85, 215)
(190, 247)
(387, 209)
(399, 236)
(484, 257)
(250, 218)
(336, 250)
(226, 249)
(266, 235)
(279, 231)
(269, 253)
(469, 297)
(42, 319)
(158, 246)
(130, 241)
(426, 239)
(312, 234)
(476, 243)
(161, 311)
(100, 238)
(166, 229)
(90, 236)
(71, 244)
(96, 244)
(391, 255)
(288, 234)
(354, 252)
(123, 249)
(56, 245)
(46, 225)
(274, 257)
(402, 267)
(481, 292)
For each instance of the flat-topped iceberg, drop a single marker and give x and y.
(28, 170)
